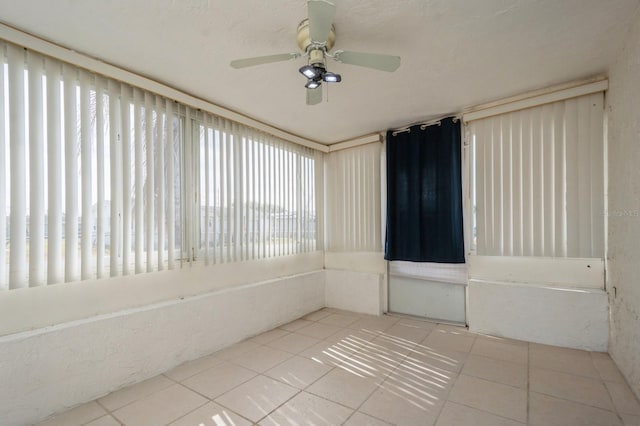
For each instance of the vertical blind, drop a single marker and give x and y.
(538, 180)
(256, 193)
(353, 199)
(99, 178)
(85, 165)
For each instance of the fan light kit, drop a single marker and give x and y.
(315, 37)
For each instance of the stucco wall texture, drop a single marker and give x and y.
(623, 214)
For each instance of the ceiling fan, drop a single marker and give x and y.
(315, 37)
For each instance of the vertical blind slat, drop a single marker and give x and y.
(85, 173)
(101, 156)
(204, 138)
(548, 158)
(71, 174)
(139, 145)
(170, 129)
(149, 213)
(115, 170)
(36, 171)
(560, 220)
(18, 228)
(161, 142)
(4, 178)
(54, 173)
(128, 139)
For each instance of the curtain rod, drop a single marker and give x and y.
(424, 124)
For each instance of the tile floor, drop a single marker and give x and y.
(340, 368)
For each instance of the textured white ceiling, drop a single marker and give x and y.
(455, 53)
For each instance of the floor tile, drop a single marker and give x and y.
(76, 416)
(393, 346)
(629, 420)
(546, 410)
(453, 414)
(374, 324)
(161, 407)
(437, 359)
(296, 325)
(565, 360)
(328, 353)
(298, 372)
(502, 349)
(125, 396)
(293, 343)
(567, 386)
(317, 315)
(191, 368)
(504, 372)
(414, 372)
(402, 405)
(453, 340)
(408, 332)
(343, 312)
(372, 361)
(339, 320)
(257, 397)
(318, 330)
(269, 336)
(360, 419)
(219, 379)
(418, 323)
(236, 350)
(420, 384)
(307, 409)
(212, 414)
(496, 398)
(261, 359)
(606, 367)
(104, 421)
(345, 387)
(354, 339)
(623, 398)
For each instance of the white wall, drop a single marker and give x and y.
(356, 282)
(54, 368)
(552, 315)
(623, 272)
(34, 308)
(354, 263)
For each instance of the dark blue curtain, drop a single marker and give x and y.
(424, 194)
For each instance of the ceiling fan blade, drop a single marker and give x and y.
(259, 60)
(321, 13)
(314, 96)
(370, 60)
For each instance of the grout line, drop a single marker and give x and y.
(576, 402)
(208, 402)
(484, 411)
(137, 399)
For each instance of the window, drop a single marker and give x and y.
(256, 193)
(353, 207)
(537, 180)
(97, 180)
(90, 180)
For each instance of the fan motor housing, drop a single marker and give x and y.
(304, 39)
